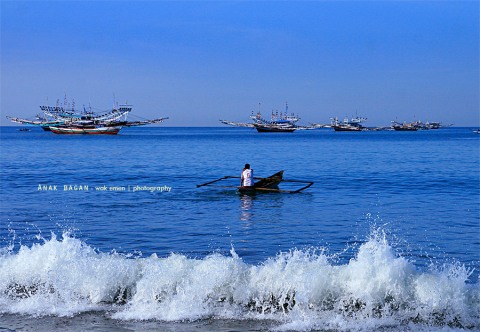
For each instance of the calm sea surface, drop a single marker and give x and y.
(387, 238)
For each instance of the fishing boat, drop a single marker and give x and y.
(353, 124)
(346, 127)
(85, 130)
(269, 184)
(413, 126)
(433, 125)
(280, 122)
(65, 119)
(265, 184)
(417, 125)
(275, 128)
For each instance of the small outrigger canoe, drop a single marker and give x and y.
(268, 184)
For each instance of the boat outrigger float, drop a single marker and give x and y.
(268, 184)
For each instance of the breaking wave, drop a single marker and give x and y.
(301, 290)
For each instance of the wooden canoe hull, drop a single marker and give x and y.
(264, 184)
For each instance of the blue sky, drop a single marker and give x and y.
(198, 62)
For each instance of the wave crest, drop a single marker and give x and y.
(300, 289)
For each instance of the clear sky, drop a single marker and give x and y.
(198, 62)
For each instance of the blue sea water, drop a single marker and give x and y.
(387, 238)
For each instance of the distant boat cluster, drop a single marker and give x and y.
(65, 119)
(283, 122)
(355, 124)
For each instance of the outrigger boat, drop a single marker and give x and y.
(65, 119)
(279, 123)
(268, 184)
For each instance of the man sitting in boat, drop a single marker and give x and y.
(247, 177)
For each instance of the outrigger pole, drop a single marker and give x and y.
(206, 184)
(227, 177)
(309, 184)
(264, 189)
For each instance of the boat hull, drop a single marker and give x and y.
(247, 190)
(263, 185)
(274, 129)
(47, 126)
(346, 128)
(85, 131)
(405, 128)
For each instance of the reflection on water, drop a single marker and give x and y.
(246, 204)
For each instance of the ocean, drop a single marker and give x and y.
(110, 233)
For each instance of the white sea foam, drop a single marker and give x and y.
(302, 290)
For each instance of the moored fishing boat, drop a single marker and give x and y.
(275, 128)
(65, 119)
(280, 122)
(417, 125)
(353, 124)
(413, 126)
(85, 130)
(346, 128)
